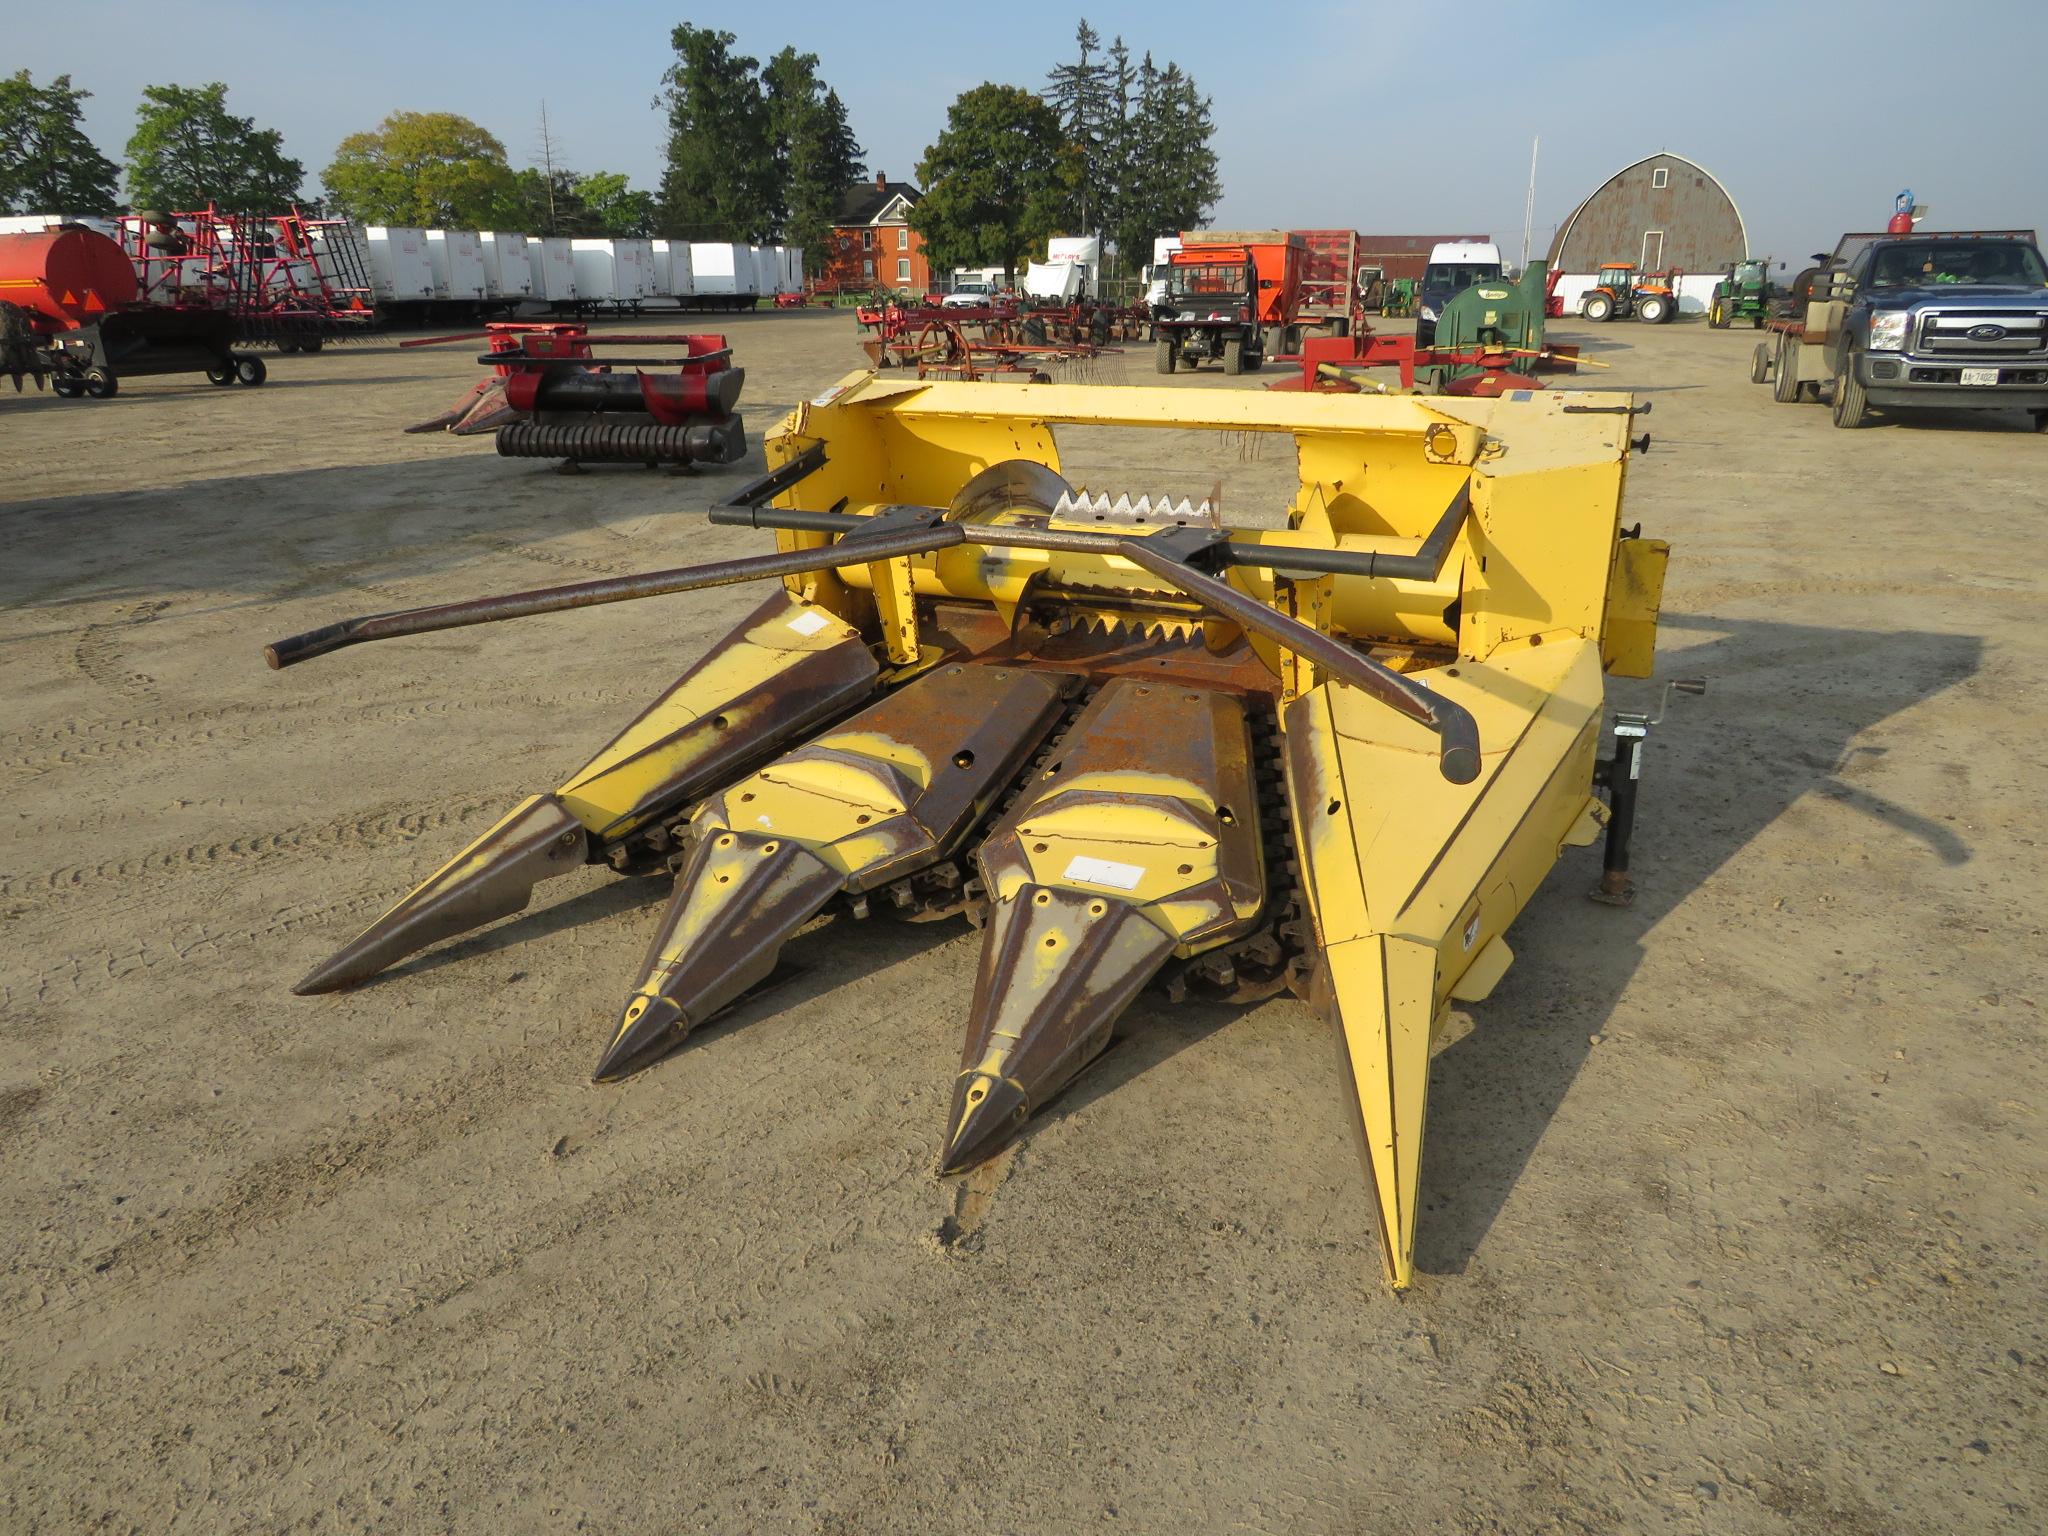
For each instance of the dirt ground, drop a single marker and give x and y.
(1734, 1206)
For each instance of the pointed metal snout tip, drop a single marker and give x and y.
(649, 1029)
(987, 1113)
(341, 969)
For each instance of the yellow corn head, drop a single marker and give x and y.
(1335, 756)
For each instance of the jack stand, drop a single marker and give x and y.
(1619, 774)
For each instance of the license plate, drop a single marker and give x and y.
(1980, 375)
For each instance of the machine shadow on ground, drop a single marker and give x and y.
(1480, 1139)
(315, 557)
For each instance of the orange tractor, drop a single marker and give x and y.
(1621, 290)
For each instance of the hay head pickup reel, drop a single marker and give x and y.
(1335, 756)
(551, 397)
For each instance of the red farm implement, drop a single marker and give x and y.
(942, 349)
(550, 396)
(1336, 364)
(904, 335)
(296, 281)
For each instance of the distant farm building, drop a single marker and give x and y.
(1405, 255)
(1661, 212)
(872, 244)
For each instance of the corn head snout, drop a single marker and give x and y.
(1334, 755)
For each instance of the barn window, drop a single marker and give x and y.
(1661, 177)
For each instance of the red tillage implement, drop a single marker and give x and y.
(551, 397)
(284, 278)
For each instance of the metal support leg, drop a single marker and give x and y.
(1622, 773)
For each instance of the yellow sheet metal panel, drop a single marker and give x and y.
(1635, 597)
(789, 664)
(1380, 990)
(1412, 880)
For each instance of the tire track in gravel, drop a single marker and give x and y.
(545, 556)
(87, 743)
(372, 828)
(79, 969)
(638, 1172)
(98, 653)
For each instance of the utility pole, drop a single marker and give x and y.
(1529, 207)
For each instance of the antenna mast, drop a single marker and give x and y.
(1529, 207)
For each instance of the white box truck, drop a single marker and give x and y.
(633, 260)
(508, 274)
(597, 275)
(681, 283)
(457, 259)
(723, 275)
(400, 272)
(553, 265)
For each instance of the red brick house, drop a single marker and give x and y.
(873, 245)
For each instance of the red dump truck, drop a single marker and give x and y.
(1233, 296)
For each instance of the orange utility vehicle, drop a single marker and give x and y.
(1231, 296)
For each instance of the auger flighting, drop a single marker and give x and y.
(1137, 748)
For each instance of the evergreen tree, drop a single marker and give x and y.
(47, 164)
(816, 155)
(188, 150)
(720, 183)
(995, 181)
(1119, 143)
(1171, 182)
(1081, 94)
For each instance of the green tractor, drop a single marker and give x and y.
(1397, 300)
(1744, 294)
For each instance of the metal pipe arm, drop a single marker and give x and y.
(610, 589)
(1456, 731)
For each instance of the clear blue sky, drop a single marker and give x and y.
(1389, 119)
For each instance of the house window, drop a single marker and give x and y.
(902, 239)
(867, 239)
(1661, 177)
(868, 269)
(903, 269)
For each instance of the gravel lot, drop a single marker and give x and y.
(1734, 1201)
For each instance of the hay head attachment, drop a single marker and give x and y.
(1336, 754)
(552, 395)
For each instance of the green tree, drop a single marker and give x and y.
(1171, 181)
(542, 203)
(1081, 93)
(816, 155)
(47, 164)
(424, 168)
(608, 206)
(720, 180)
(188, 150)
(995, 181)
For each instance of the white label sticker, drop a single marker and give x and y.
(1472, 931)
(1124, 877)
(808, 623)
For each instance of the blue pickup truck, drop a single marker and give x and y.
(1899, 322)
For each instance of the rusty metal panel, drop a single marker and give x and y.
(1701, 228)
